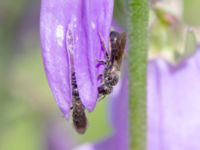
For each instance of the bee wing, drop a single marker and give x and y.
(122, 40)
(121, 46)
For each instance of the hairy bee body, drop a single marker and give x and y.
(113, 62)
(78, 110)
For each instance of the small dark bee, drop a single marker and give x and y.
(78, 110)
(113, 62)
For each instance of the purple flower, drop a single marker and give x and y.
(119, 115)
(57, 138)
(70, 39)
(173, 108)
(173, 105)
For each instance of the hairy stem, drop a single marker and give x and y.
(138, 39)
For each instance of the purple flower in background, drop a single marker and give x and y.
(173, 105)
(173, 108)
(70, 41)
(119, 118)
(57, 138)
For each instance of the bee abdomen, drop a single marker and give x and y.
(79, 119)
(78, 110)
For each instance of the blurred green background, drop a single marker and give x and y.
(29, 117)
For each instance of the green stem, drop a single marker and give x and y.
(137, 29)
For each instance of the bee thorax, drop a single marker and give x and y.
(115, 79)
(105, 89)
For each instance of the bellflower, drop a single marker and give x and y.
(70, 30)
(173, 108)
(173, 105)
(70, 37)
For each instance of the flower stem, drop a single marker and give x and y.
(137, 29)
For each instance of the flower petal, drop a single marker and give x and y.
(119, 116)
(173, 105)
(57, 137)
(95, 21)
(72, 28)
(55, 57)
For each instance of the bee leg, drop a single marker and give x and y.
(102, 41)
(100, 77)
(103, 45)
(107, 56)
(103, 62)
(101, 97)
(105, 89)
(100, 62)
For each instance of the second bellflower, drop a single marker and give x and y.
(71, 33)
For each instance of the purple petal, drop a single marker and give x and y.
(119, 113)
(119, 116)
(71, 28)
(173, 109)
(97, 20)
(57, 138)
(55, 57)
(173, 105)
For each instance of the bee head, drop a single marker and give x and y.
(113, 36)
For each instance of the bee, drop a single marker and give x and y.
(113, 62)
(78, 110)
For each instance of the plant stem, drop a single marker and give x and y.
(138, 39)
